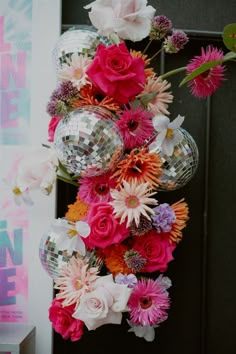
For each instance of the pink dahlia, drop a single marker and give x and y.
(148, 303)
(135, 126)
(96, 189)
(208, 82)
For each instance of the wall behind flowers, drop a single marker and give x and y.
(202, 316)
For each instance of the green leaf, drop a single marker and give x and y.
(207, 66)
(229, 36)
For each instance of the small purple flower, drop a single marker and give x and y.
(175, 42)
(126, 279)
(164, 282)
(161, 26)
(134, 260)
(67, 91)
(164, 217)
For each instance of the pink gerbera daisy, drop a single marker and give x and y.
(148, 303)
(208, 82)
(97, 188)
(159, 104)
(75, 279)
(135, 126)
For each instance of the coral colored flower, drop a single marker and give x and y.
(159, 104)
(135, 126)
(149, 71)
(114, 259)
(96, 189)
(148, 303)
(77, 211)
(157, 250)
(181, 211)
(131, 201)
(129, 19)
(139, 165)
(168, 135)
(52, 127)
(74, 70)
(63, 322)
(75, 279)
(116, 73)
(105, 229)
(208, 82)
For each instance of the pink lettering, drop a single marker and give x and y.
(10, 69)
(8, 107)
(4, 47)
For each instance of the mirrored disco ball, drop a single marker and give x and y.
(50, 257)
(87, 141)
(80, 39)
(180, 167)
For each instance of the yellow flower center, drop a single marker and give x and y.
(16, 191)
(132, 201)
(72, 233)
(78, 284)
(78, 73)
(169, 133)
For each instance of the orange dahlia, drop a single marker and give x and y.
(139, 165)
(114, 259)
(77, 211)
(181, 211)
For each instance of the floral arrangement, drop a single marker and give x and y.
(117, 240)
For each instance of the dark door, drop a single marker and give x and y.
(202, 319)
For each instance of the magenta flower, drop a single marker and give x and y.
(148, 303)
(208, 82)
(135, 126)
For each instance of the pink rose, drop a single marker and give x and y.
(63, 322)
(155, 249)
(52, 127)
(105, 229)
(116, 73)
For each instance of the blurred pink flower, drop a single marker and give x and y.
(52, 127)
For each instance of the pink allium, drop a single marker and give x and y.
(96, 189)
(208, 82)
(52, 127)
(175, 42)
(148, 303)
(63, 322)
(135, 126)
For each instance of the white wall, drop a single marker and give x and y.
(46, 29)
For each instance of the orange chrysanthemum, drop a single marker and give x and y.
(87, 97)
(114, 259)
(77, 211)
(140, 165)
(181, 211)
(149, 71)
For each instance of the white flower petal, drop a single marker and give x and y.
(176, 122)
(160, 122)
(83, 228)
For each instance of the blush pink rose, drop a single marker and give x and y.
(63, 322)
(105, 229)
(52, 127)
(116, 73)
(156, 250)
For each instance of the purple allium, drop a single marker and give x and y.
(161, 26)
(134, 260)
(67, 91)
(144, 226)
(57, 108)
(175, 42)
(164, 217)
(126, 279)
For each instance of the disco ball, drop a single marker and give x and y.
(87, 141)
(80, 39)
(180, 167)
(50, 257)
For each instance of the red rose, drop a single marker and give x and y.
(105, 229)
(116, 73)
(63, 322)
(155, 249)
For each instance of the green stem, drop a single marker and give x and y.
(173, 72)
(67, 181)
(147, 46)
(154, 56)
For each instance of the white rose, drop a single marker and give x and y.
(37, 170)
(129, 19)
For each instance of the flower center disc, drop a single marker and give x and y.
(132, 201)
(145, 302)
